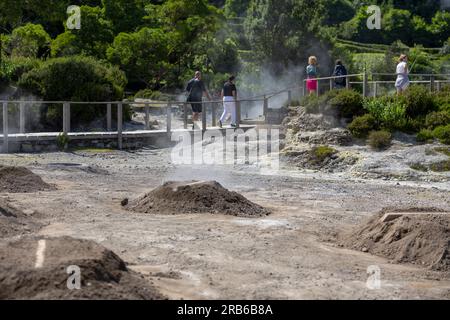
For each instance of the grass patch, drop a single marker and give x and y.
(380, 140)
(419, 167)
(442, 166)
(320, 153)
(93, 150)
(444, 150)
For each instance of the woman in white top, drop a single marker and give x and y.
(402, 82)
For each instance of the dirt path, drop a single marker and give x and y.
(290, 254)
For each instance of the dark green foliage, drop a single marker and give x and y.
(319, 154)
(442, 133)
(418, 101)
(436, 119)
(425, 135)
(361, 126)
(74, 79)
(347, 103)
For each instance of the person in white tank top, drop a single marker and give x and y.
(402, 82)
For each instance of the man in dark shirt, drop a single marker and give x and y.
(196, 89)
(229, 96)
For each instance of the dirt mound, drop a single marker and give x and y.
(14, 222)
(36, 268)
(195, 197)
(21, 180)
(417, 239)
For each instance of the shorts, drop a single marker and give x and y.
(196, 104)
(196, 107)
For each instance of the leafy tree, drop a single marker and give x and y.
(236, 8)
(284, 31)
(30, 40)
(93, 38)
(440, 26)
(125, 15)
(142, 55)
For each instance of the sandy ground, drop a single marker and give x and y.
(289, 255)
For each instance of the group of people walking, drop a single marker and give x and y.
(196, 88)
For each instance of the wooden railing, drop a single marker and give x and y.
(433, 82)
(168, 105)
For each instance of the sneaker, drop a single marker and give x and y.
(233, 125)
(220, 124)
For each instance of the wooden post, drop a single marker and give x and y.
(5, 128)
(375, 89)
(305, 91)
(238, 113)
(22, 117)
(365, 85)
(169, 118)
(266, 107)
(66, 117)
(432, 81)
(289, 98)
(318, 88)
(213, 112)
(108, 117)
(119, 125)
(438, 86)
(147, 117)
(347, 82)
(204, 116)
(331, 84)
(185, 117)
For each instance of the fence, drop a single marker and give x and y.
(435, 82)
(211, 107)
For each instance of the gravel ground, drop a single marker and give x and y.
(291, 254)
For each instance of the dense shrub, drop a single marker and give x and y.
(348, 103)
(389, 113)
(436, 119)
(361, 126)
(150, 94)
(22, 65)
(340, 103)
(74, 79)
(425, 135)
(380, 140)
(319, 154)
(30, 40)
(442, 133)
(418, 101)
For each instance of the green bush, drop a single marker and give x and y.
(389, 113)
(361, 126)
(319, 154)
(380, 140)
(74, 79)
(348, 103)
(339, 103)
(425, 135)
(418, 101)
(442, 133)
(22, 65)
(436, 119)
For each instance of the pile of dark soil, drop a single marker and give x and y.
(21, 180)
(195, 197)
(36, 268)
(14, 222)
(417, 239)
